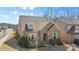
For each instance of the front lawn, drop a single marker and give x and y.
(1, 36)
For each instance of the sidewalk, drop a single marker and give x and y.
(56, 48)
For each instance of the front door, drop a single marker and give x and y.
(45, 36)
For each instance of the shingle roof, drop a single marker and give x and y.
(71, 21)
(63, 24)
(39, 22)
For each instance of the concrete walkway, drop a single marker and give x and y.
(49, 48)
(56, 48)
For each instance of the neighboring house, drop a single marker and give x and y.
(70, 29)
(7, 25)
(5, 28)
(44, 29)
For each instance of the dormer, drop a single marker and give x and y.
(29, 26)
(73, 28)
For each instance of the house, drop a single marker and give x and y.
(70, 29)
(3, 30)
(6, 27)
(44, 29)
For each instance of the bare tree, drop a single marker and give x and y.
(50, 14)
(69, 13)
(77, 12)
(72, 12)
(46, 14)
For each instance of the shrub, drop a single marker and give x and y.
(23, 42)
(31, 42)
(55, 41)
(40, 43)
(17, 35)
(59, 42)
(32, 37)
(76, 41)
(28, 42)
(52, 42)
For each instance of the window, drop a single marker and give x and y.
(77, 29)
(69, 26)
(55, 35)
(26, 27)
(30, 25)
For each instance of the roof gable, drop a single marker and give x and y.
(48, 26)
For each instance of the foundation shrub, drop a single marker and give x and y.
(59, 42)
(28, 42)
(55, 41)
(41, 43)
(23, 42)
(76, 41)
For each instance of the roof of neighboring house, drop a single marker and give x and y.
(63, 24)
(71, 21)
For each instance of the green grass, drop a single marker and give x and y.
(1, 36)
